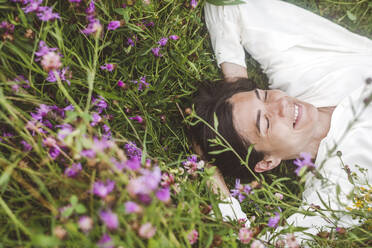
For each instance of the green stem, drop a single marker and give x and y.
(13, 217)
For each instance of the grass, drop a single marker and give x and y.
(33, 187)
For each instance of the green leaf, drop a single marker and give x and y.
(74, 200)
(80, 209)
(215, 122)
(41, 240)
(124, 12)
(67, 212)
(351, 16)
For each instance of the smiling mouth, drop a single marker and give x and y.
(295, 115)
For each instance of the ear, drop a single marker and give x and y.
(267, 163)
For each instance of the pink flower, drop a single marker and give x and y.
(137, 118)
(245, 235)
(193, 4)
(174, 37)
(110, 219)
(51, 61)
(132, 207)
(291, 241)
(121, 84)
(85, 223)
(257, 244)
(146, 231)
(278, 196)
(113, 25)
(192, 236)
(108, 67)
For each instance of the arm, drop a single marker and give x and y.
(231, 72)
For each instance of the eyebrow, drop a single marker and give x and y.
(258, 113)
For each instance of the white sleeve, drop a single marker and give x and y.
(224, 32)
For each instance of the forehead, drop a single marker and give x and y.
(245, 106)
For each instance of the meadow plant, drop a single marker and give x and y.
(94, 148)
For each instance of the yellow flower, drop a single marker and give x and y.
(349, 208)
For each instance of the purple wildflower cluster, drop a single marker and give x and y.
(274, 221)
(241, 191)
(44, 13)
(162, 42)
(192, 165)
(50, 61)
(20, 80)
(108, 67)
(141, 83)
(303, 163)
(94, 25)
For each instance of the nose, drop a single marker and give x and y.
(278, 107)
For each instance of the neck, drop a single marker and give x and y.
(325, 115)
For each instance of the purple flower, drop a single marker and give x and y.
(26, 146)
(156, 52)
(174, 37)
(105, 242)
(133, 163)
(54, 152)
(46, 14)
(163, 194)
(144, 185)
(65, 129)
(33, 5)
(93, 27)
(137, 118)
(99, 145)
(99, 103)
(130, 42)
(121, 84)
(110, 219)
(73, 170)
(163, 41)
(303, 161)
(85, 223)
(237, 191)
(61, 74)
(74, 1)
(132, 150)
(132, 207)
(108, 67)
(96, 119)
(273, 221)
(142, 83)
(91, 8)
(89, 153)
(113, 25)
(193, 4)
(149, 24)
(102, 189)
(43, 50)
(51, 61)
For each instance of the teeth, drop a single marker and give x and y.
(295, 114)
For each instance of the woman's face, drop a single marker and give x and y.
(277, 124)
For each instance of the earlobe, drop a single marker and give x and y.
(268, 163)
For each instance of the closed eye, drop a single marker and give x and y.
(268, 123)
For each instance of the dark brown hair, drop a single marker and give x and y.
(213, 98)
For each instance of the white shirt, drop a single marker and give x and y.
(316, 61)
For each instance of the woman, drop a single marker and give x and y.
(319, 72)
